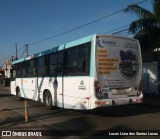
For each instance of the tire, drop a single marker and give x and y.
(47, 99)
(18, 94)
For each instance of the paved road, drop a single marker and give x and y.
(95, 122)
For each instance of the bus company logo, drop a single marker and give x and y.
(103, 43)
(6, 133)
(81, 85)
(109, 43)
(99, 44)
(81, 82)
(129, 64)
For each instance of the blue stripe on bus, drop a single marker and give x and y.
(92, 63)
(18, 61)
(68, 45)
(58, 48)
(24, 94)
(78, 42)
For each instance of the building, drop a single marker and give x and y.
(7, 72)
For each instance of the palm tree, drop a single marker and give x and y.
(147, 24)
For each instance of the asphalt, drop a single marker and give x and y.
(14, 120)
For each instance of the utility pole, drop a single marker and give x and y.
(26, 49)
(26, 110)
(16, 58)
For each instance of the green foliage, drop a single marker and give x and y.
(148, 23)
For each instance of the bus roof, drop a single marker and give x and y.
(58, 48)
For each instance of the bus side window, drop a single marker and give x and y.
(18, 70)
(59, 69)
(24, 69)
(53, 64)
(41, 66)
(13, 71)
(32, 68)
(77, 60)
(81, 60)
(47, 64)
(84, 58)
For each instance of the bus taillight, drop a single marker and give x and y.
(98, 90)
(97, 86)
(139, 88)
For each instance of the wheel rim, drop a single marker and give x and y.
(19, 94)
(48, 100)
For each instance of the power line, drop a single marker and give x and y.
(10, 55)
(126, 29)
(84, 25)
(117, 29)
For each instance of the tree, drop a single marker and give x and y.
(148, 23)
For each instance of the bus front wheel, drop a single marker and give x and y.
(47, 99)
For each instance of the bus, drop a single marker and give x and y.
(95, 71)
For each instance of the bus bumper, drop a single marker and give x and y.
(95, 103)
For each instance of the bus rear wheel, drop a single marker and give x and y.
(47, 99)
(18, 94)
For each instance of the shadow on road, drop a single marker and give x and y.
(78, 125)
(11, 121)
(5, 95)
(123, 110)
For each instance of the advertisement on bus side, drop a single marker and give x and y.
(117, 61)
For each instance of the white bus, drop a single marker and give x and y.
(95, 71)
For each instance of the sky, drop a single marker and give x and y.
(27, 21)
